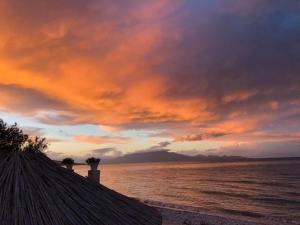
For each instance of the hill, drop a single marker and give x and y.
(166, 156)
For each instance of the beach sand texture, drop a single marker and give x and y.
(181, 217)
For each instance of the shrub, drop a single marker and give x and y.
(92, 160)
(68, 161)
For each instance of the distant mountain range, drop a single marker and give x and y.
(166, 156)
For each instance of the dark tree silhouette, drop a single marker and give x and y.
(12, 139)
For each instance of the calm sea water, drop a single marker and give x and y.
(255, 190)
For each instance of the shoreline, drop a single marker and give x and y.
(186, 215)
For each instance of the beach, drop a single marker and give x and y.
(182, 217)
(256, 192)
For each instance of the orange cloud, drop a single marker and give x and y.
(67, 60)
(100, 139)
(199, 137)
(149, 64)
(239, 96)
(275, 135)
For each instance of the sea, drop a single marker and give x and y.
(248, 190)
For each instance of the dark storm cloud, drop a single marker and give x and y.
(237, 56)
(228, 53)
(191, 68)
(243, 62)
(261, 149)
(27, 100)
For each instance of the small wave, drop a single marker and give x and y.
(297, 194)
(242, 213)
(172, 206)
(269, 183)
(239, 195)
(278, 201)
(271, 200)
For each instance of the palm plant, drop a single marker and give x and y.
(68, 162)
(93, 162)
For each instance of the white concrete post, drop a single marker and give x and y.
(70, 167)
(94, 173)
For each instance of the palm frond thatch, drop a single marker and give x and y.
(34, 190)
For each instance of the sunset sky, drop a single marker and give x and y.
(105, 78)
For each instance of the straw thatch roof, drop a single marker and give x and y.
(34, 190)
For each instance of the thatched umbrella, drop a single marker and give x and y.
(34, 190)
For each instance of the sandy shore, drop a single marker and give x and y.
(178, 215)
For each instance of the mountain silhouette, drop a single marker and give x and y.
(167, 156)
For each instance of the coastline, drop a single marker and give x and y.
(207, 198)
(185, 215)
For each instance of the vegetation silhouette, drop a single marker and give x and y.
(12, 139)
(68, 162)
(35, 190)
(92, 160)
